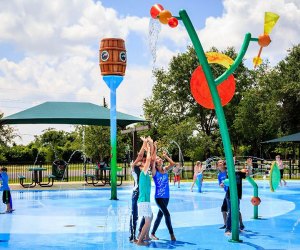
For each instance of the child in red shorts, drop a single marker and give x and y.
(177, 172)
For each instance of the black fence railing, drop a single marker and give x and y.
(75, 171)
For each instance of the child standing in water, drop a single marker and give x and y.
(177, 172)
(136, 171)
(198, 176)
(6, 197)
(144, 206)
(281, 169)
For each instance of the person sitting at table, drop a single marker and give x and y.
(101, 164)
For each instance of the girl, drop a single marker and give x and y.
(198, 170)
(144, 207)
(281, 169)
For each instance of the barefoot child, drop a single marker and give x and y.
(177, 172)
(136, 171)
(6, 197)
(144, 206)
(198, 176)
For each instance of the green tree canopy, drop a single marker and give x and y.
(171, 107)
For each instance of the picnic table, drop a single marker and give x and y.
(36, 178)
(101, 176)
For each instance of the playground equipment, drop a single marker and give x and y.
(204, 75)
(274, 177)
(112, 61)
(255, 199)
(264, 39)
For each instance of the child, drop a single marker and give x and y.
(162, 193)
(242, 174)
(198, 176)
(281, 169)
(177, 172)
(144, 206)
(6, 197)
(249, 166)
(136, 171)
(222, 175)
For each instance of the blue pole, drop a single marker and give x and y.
(113, 81)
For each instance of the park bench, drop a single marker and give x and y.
(51, 179)
(96, 181)
(25, 185)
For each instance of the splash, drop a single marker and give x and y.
(295, 225)
(180, 155)
(36, 158)
(74, 152)
(154, 30)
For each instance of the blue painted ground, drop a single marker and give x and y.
(87, 219)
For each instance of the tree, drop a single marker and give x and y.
(7, 134)
(271, 107)
(172, 105)
(95, 142)
(55, 144)
(287, 80)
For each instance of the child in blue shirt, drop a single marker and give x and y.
(6, 197)
(222, 175)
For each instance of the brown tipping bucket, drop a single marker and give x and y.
(112, 56)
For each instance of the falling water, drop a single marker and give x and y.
(181, 158)
(74, 152)
(295, 225)
(154, 30)
(36, 158)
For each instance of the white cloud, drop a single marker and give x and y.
(60, 42)
(56, 27)
(241, 17)
(136, 86)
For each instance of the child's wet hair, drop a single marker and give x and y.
(4, 169)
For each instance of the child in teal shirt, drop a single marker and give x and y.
(144, 206)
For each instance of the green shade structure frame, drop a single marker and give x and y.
(213, 83)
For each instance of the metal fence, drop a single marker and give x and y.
(75, 172)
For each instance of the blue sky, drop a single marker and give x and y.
(49, 49)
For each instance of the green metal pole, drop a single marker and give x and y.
(113, 81)
(255, 194)
(237, 61)
(222, 123)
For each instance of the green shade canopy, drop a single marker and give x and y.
(83, 113)
(288, 138)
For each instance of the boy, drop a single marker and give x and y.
(177, 172)
(6, 197)
(240, 175)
